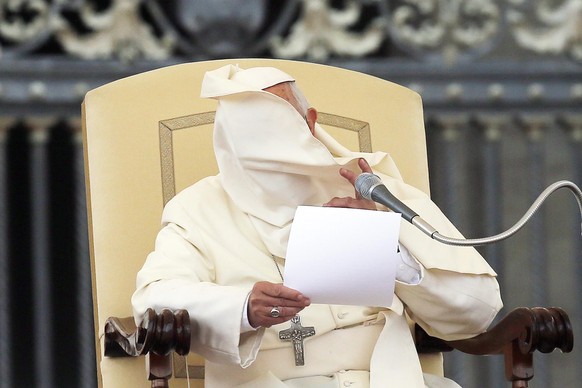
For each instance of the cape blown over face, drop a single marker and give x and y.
(269, 161)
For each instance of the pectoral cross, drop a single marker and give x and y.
(296, 333)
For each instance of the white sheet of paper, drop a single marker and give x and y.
(343, 256)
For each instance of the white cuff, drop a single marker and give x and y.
(245, 325)
(409, 270)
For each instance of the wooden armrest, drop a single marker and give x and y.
(517, 336)
(158, 333)
(156, 337)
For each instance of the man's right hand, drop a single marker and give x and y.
(266, 295)
(357, 202)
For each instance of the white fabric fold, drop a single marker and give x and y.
(270, 166)
(395, 335)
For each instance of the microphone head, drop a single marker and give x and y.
(365, 183)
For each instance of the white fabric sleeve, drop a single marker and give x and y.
(452, 305)
(176, 276)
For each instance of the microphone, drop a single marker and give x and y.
(370, 186)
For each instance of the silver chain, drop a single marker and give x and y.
(277, 266)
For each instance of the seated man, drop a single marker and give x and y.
(221, 253)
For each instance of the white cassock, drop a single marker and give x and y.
(225, 233)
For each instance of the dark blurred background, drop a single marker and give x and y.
(501, 83)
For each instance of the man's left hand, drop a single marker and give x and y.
(357, 202)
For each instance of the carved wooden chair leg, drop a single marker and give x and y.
(518, 366)
(159, 369)
(517, 336)
(546, 330)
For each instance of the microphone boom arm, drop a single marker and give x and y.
(519, 224)
(367, 183)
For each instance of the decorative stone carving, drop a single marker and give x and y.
(322, 31)
(117, 31)
(445, 28)
(546, 28)
(212, 27)
(25, 22)
(439, 31)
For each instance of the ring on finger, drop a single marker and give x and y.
(275, 312)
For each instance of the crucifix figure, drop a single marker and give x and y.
(296, 333)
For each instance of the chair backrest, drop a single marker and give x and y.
(150, 135)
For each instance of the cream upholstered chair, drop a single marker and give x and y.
(148, 136)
